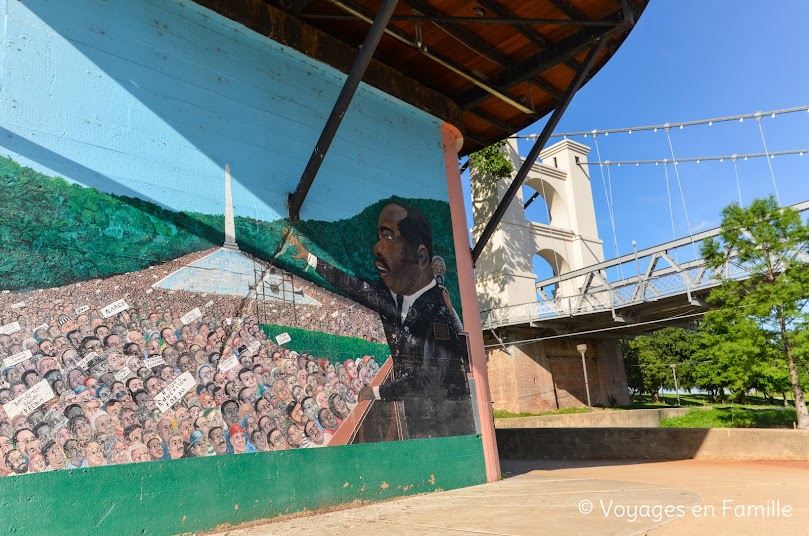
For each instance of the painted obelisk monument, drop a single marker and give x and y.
(230, 225)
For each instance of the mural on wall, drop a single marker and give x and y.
(130, 332)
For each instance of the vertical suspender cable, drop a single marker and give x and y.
(738, 183)
(682, 195)
(668, 194)
(769, 157)
(607, 196)
(612, 220)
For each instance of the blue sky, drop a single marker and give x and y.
(688, 60)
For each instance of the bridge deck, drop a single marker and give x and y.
(663, 288)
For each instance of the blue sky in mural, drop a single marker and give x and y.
(155, 118)
(690, 60)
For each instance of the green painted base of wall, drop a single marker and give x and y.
(202, 493)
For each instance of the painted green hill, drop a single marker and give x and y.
(55, 233)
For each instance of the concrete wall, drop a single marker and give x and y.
(653, 444)
(548, 375)
(195, 495)
(635, 418)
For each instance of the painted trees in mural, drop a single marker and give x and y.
(127, 335)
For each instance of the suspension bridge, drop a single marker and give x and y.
(663, 285)
(663, 291)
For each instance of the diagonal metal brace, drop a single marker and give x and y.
(338, 112)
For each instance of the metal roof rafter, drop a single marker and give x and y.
(350, 86)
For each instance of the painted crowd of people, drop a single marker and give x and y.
(107, 375)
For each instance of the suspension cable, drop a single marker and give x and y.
(612, 211)
(772, 174)
(668, 194)
(608, 196)
(680, 124)
(699, 159)
(682, 194)
(738, 183)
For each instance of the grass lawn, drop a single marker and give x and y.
(757, 412)
(688, 399)
(734, 417)
(503, 414)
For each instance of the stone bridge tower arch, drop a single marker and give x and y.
(504, 271)
(542, 375)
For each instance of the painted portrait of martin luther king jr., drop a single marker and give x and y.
(421, 326)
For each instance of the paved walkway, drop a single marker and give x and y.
(589, 498)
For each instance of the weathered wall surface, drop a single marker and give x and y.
(548, 375)
(153, 98)
(158, 306)
(187, 496)
(653, 444)
(635, 418)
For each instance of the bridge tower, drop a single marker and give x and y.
(504, 272)
(540, 376)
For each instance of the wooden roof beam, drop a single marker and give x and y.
(536, 38)
(545, 59)
(467, 38)
(477, 44)
(567, 7)
(296, 6)
(492, 120)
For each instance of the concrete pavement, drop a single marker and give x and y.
(588, 498)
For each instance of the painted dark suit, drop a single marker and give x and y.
(428, 367)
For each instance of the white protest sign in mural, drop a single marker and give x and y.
(169, 396)
(18, 305)
(82, 309)
(253, 347)
(123, 373)
(86, 359)
(114, 308)
(30, 400)
(44, 325)
(15, 359)
(190, 316)
(152, 362)
(228, 364)
(283, 338)
(8, 329)
(208, 304)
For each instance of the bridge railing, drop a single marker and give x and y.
(602, 287)
(615, 297)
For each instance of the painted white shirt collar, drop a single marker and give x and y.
(408, 301)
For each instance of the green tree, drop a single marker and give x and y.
(492, 160)
(653, 356)
(770, 243)
(730, 354)
(634, 378)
